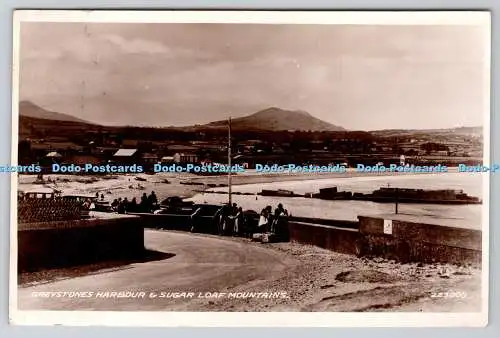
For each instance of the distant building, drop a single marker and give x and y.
(53, 154)
(129, 143)
(440, 153)
(167, 160)
(51, 157)
(150, 158)
(82, 159)
(189, 158)
(125, 152)
(185, 158)
(126, 156)
(181, 148)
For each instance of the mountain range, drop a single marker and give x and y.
(277, 119)
(29, 109)
(271, 119)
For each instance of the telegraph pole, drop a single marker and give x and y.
(396, 200)
(229, 162)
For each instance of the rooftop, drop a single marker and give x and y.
(53, 154)
(125, 152)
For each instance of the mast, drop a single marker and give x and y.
(229, 162)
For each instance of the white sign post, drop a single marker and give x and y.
(388, 226)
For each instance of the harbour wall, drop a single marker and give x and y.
(405, 242)
(397, 239)
(329, 237)
(415, 241)
(183, 222)
(46, 245)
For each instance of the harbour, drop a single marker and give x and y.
(468, 215)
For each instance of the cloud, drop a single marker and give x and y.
(355, 76)
(138, 46)
(39, 54)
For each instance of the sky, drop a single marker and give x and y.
(360, 77)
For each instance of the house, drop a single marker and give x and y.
(51, 157)
(149, 158)
(189, 158)
(53, 154)
(129, 143)
(185, 158)
(126, 156)
(82, 159)
(440, 153)
(181, 148)
(167, 160)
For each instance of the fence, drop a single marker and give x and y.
(31, 210)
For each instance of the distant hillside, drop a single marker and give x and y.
(29, 109)
(470, 131)
(276, 119)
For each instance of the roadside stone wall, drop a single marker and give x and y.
(69, 243)
(325, 236)
(420, 242)
(405, 242)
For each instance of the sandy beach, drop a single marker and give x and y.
(247, 185)
(166, 184)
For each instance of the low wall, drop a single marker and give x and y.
(330, 222)
(413, 241)
(69, 243)
(402, 241)
(325, 236)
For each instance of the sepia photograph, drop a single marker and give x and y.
(239, 168)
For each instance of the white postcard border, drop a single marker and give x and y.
(250, 319)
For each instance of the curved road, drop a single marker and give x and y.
(201, 264)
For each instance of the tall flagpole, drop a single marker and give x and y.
(229, 161)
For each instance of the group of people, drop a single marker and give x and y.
(230, 220)
(269, 221)
(147, 204)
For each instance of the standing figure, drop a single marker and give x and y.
(194, 219)
(279, 212)
(114, 205)
(263, 220)
(144, 203)
(152, 199)
(270, 217)
(238, 221)
(223, 220)
(132, 207)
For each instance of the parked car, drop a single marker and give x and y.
(175, 201)
(205, 218)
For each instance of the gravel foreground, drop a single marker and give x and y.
(326, 281)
